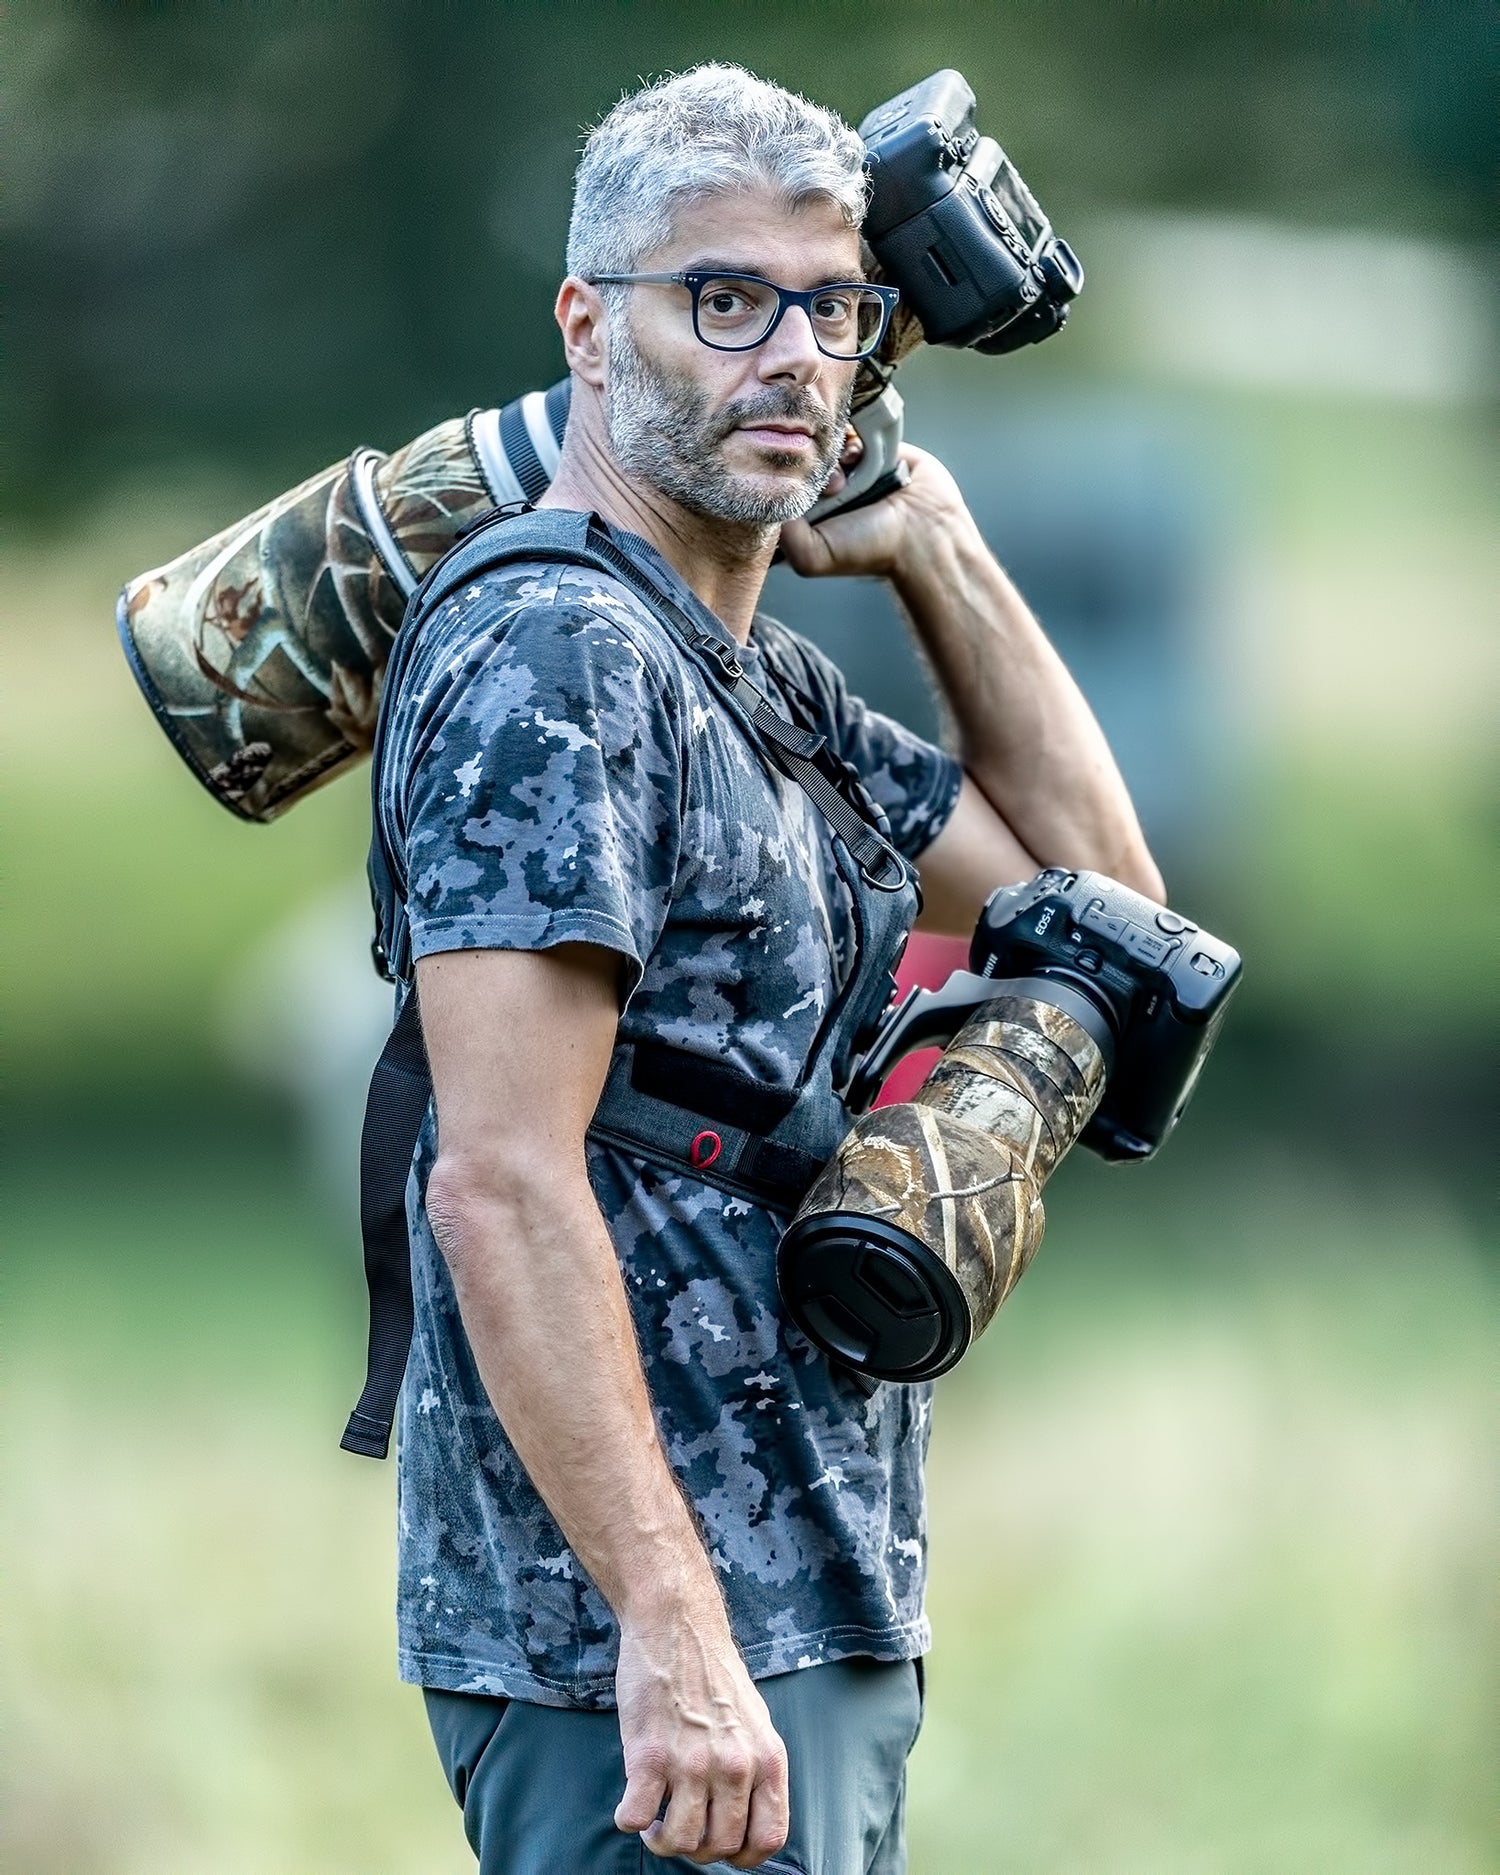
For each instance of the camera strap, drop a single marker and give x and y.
(695, 1118)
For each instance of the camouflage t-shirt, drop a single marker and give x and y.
(558, 769)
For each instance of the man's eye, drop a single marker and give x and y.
(833, 307)
(726, 302)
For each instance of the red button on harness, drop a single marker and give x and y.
(705, 1148)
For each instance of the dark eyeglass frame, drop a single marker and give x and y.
(786, 296)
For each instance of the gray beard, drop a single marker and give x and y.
(663, 429)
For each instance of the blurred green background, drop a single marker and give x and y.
(1213, 1503)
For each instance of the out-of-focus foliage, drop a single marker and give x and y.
(265, 232)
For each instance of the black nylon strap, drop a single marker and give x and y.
(400, 1089)
(708, 1088)
(519, 447)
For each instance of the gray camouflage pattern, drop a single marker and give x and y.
(557, 769)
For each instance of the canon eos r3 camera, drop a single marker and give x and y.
(1087, 1012)
(954, 226)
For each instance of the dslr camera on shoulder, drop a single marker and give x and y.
(951, 220)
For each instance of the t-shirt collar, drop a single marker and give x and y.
(666, 575)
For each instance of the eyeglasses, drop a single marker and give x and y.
(735, 312)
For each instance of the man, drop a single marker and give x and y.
(661, 1562)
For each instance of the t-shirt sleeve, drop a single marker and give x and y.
(542, 798)
(916, 782)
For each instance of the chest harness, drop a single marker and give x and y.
(669, 1106)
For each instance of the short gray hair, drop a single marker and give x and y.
(714, 130)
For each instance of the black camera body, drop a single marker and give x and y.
(1160, 982)
(951, 222)
(1148, 985)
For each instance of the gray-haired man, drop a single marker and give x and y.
(661, 1563)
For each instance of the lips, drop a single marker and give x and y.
(777, 435)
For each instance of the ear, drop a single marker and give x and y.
(581, 318)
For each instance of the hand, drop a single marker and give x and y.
(696, 1731)
(882, 538)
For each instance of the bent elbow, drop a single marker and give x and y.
(471, 1202)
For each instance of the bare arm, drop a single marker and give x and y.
(519, 1044)
(1042, 787)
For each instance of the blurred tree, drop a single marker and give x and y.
(262, 234)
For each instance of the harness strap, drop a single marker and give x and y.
(400, 1089)
(690, 1130)
(696, 1133)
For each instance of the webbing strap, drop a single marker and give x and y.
(400, 1089)
(634, 1114)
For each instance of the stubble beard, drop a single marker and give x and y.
(664, 429)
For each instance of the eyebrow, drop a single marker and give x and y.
(716, 264)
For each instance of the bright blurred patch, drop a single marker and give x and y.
(1212, 1517)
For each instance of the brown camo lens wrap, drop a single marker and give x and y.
(262, 650)
(961, 1166)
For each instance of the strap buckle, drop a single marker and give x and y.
(889, 873)
(722, 655)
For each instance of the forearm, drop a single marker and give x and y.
(544, 1308)
(1025, 733)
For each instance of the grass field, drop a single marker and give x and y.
(1212, 1516)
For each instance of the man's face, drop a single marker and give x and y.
(747, 436)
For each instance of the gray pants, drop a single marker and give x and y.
(539, 1784)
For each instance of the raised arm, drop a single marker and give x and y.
(1041, 786)
(519, 1044)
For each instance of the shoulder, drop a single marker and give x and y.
(798, 662)
(541, 625)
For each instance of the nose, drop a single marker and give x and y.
(790, 355)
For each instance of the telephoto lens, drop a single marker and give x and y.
(921, 1224)
(1086, 1013)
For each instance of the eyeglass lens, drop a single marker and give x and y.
(735, 313)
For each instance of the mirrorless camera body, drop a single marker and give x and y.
(1148, 985)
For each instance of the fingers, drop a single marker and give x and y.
(769, 1818)
(680, 1831)
(645, 1786)
(736, 1812)
(728, 1808)
(805, 548)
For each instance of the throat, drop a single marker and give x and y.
(724, 562)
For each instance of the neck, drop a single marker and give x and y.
(724, 562)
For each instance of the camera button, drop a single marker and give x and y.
(1169, 922)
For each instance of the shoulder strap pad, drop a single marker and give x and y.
(531, 534)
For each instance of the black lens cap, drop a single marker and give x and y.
(873, 1296)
